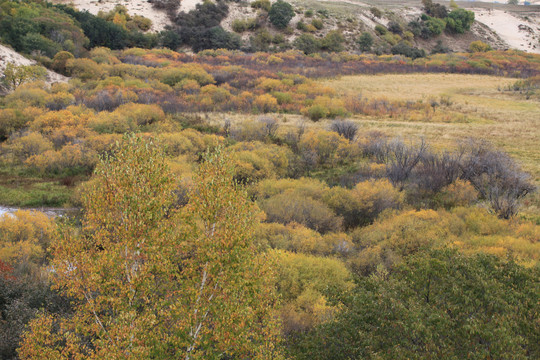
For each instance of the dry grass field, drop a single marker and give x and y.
(508, 121)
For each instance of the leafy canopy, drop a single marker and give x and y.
(150, 281)
(280, 14)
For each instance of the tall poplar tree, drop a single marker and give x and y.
(150, 281)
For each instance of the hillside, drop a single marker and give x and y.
(502, 26)
(8, 55)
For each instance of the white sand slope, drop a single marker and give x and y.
(187, 5)
(8, 55)
(521, 2)
(135, 7)
(518, 33)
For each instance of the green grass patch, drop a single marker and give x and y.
(47, 194)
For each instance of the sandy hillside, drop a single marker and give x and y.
(8, 55)
(187, 5)
(518, 33)
(515, 31)
(521, 2)
(135, 7)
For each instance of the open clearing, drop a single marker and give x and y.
(512, 123)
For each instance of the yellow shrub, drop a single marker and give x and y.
(250, 167)
(26, 95)
(111, 123)
(470, 229)
(72, 156)
(306, 187)
(269, 85)
(25, 237)
(279, 156)
(291, 207)
(12, 120)
(459, 193)
(102, 143)
(374, 196)
(324, 147)
(59, 100)
(266, 103)
(20, 148)
(172, 76)
(61, 126)
(305, 283)
(85, 69)
(189, 86)
(141, 114)
(188, 142)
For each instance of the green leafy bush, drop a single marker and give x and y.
(365, 41)
(459, 21)
(381, 30)
(439, 305)
(280, 14)
(307, 43)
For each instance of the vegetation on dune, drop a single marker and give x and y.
(203, 28)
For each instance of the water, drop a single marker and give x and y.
(6, 210)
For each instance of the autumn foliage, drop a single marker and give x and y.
(142, 288)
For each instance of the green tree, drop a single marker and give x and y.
(365, 41)
(333, 41)
(434, 306)
(433, 26)
(307, 43)
(459, 21)
(153, 282)
(280, 14)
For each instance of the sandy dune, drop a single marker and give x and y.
(518, 33)
(187, 5)
(135, 7)
(8, 55)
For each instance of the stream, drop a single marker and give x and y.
(51, 212)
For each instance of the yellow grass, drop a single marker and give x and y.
(511, 123)
(416, 86)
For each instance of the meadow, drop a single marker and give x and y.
(476, 106)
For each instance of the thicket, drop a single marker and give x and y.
(31, 26)
(437, 19)
(201, 29)
(440, 304)
(62, 28)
